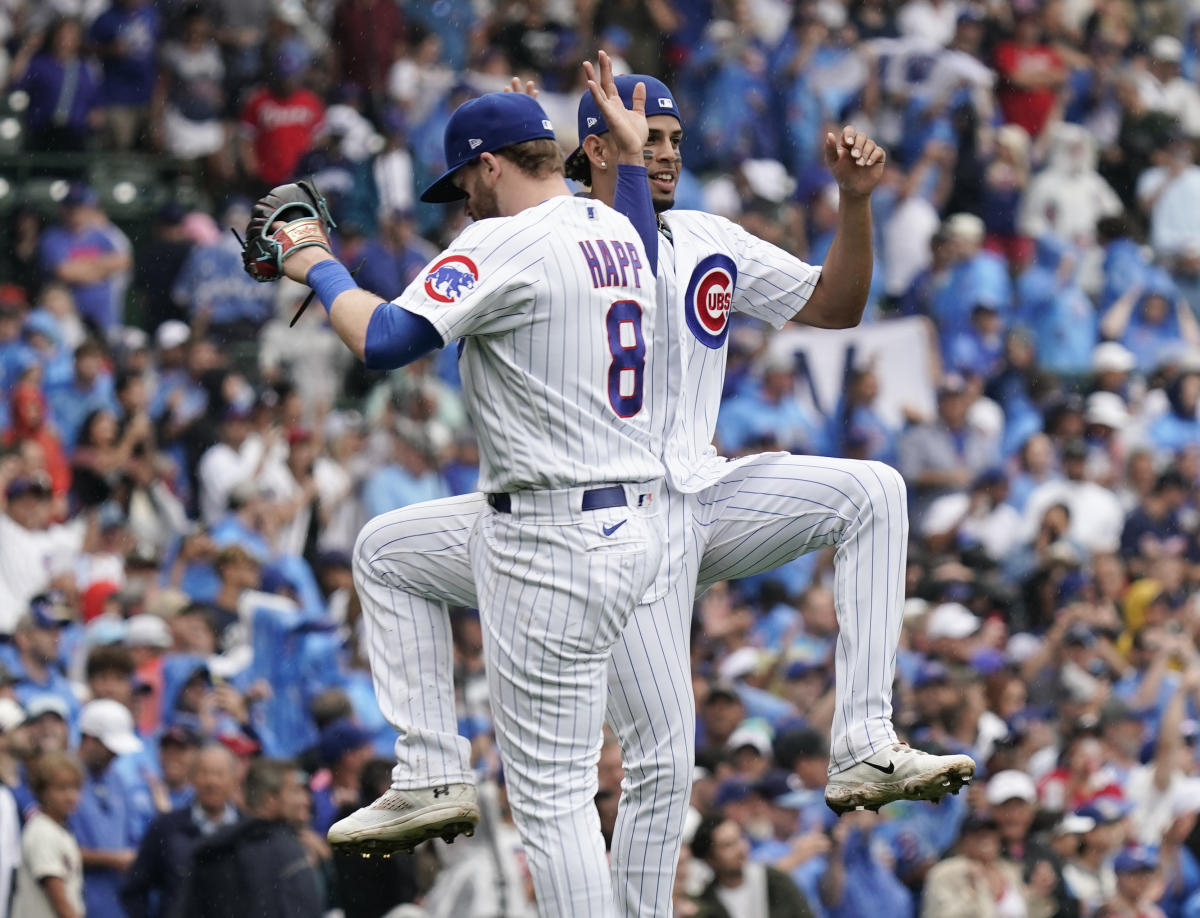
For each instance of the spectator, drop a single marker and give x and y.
(1169, 192)
(256, 866)
(1089, 873)
(279, 120)
(1179, 426)
(37, 668)
(91, 256)
(860, 879)
(939, 457)
(155, 883)
(1069, 197)
(739, 885)
(1150, 326)
(1012, 799)
(215, 292)
(412, 477)
(1095, 513)
(396, 256)
(63, 88)
(229, 465)
(1138, 883)
(1162, 88)
(30, 424)
(50, 880)
(344, 748)
(1030, 72)
(975, 276)
(127, 37)
(103, 823)
(978, 881)
(770, 414)
(189, 99)
(48, 719)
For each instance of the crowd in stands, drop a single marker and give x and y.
(184, 703)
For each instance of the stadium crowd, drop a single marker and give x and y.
(184, 704)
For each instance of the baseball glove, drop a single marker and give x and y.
(301, 208)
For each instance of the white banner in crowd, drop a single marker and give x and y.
(902, 352)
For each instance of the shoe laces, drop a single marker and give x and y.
(901, 746)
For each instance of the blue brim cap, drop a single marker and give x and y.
(659, 101)
(485, 125)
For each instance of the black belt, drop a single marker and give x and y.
(595, 499)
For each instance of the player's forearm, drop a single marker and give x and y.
(840, 296)
(350, 315)
(632, 199)
(380, 334)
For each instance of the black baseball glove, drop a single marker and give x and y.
(302, 210)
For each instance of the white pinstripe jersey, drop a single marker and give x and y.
(555, 307)
(709, 268)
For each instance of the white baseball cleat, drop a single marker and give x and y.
(402, 819)
(897, 773)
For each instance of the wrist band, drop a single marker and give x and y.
(328, 279)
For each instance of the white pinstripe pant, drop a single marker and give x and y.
(764, 511)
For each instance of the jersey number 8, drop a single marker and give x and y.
(627, 371)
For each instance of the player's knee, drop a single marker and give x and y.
(884, 487)
(667, 772)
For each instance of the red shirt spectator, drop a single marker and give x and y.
(366, 34)
(278, 126)
(29, 425)
(1030, 73)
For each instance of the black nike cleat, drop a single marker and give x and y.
(898, 773)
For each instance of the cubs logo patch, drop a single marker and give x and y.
(450, 278)
(709, 298)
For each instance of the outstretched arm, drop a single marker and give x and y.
(381, 334)
(840, 296)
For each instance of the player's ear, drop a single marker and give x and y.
(489, 168)
(596, 150)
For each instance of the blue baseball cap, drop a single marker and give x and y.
(51, 610)
(1138, 857)
(340, 737)
(1105, 810)
(659, 101)
(485, 125)
(732, 790)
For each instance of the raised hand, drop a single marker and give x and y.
(529, 88)
(855, 160)
(626, 126)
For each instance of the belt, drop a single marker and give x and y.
(595, 499)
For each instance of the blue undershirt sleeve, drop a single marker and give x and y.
(397, 337)
(632, 199)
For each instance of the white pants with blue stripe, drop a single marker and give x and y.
(761, 512)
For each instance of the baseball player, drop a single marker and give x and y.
(724, 520)
(549, 294)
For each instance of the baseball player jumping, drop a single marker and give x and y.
(551, 296)
(723, 519)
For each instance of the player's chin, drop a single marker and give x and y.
(662, 200)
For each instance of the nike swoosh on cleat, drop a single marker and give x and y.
(609, 530)
(891, 767)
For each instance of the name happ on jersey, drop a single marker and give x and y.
(709, 298)
(607, 262)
